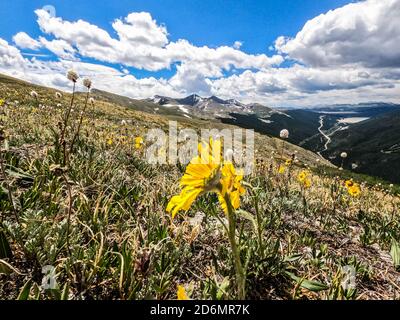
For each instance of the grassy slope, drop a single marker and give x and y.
(123, 245)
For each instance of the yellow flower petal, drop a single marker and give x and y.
(181, 294)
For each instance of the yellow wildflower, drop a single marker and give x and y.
(202, 175)
(1, 102)
(281, 169)
(302, 177)
(181, 294)
(138, 142)
(110, 141)
(349, 183)
(231, 184)
(307, 183)
(354, 190)
(205, 173)
(288, 162)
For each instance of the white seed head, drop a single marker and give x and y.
(58, 95)
(87, 83)
(58, 105)
(354, 166)
(72, 75)
(284, 134)
(91, 100)
(34, 94)
(391, 185)
(229, 154)
(343, 155)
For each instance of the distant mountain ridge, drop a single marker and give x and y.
(209, 106)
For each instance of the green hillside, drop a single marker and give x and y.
(78, 197)
(373, 145)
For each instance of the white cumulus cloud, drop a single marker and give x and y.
(24, 41)
(366, 33)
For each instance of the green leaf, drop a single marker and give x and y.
(18, 173)
(311, 285)
(24, 294)
(65, 292)
(395, 253)
(248, 216)
(293, 257)
(5, 249)
(5, 268)
(223, 287)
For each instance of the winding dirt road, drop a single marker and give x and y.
(328, 139)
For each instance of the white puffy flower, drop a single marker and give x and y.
(72, 75)
(58, 95)
(391, 185)
(87, 83)
(354, 166)
(91, 100)
(284, 134)
(343, 155)
(229, 154)
(123, 122)
(318, 160)
(58, 105)
(34, 94)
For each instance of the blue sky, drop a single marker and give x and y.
(207, 22)
(323, 57)
(256, 23)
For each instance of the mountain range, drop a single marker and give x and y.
(368, 132)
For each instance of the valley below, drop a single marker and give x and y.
(367, 132)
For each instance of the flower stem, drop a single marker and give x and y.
(62, 138)
(240, 274)
(76, 135)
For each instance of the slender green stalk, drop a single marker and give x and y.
(240, 274)
(64, 128)
(258, 217)
(76, 135)
(69, 212)
(283, 148)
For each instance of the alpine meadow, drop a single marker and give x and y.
(199, 162)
